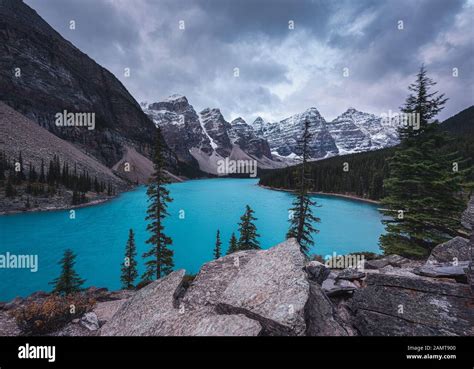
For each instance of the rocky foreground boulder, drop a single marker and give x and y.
(246, 293)
(278, 292)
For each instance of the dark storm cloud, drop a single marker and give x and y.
(281, 71)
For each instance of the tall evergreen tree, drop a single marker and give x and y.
(302, 218)
(217, 248)
(9, 189)
(423, 201)
(233, 244)
(68, 281)
(42, 177)
(129, 265)
(161, 262)
(421, 102)
(248, 231)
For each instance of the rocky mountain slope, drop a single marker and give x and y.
(278, 292)
(351, 132)
(18, 134)
(42, 74)
(206, 138)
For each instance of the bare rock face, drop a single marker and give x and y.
(8, 326)
(243, 135)
(148, 310)
(321, 316)
(317, 272)
(456, 249)
(213, 279)
(351, 274)
(156, 311)
(393, 305)
(392, 260)
(90, 321)
(106, 310)
(335, 287)
(56, 76)
(180, 126)
(271, 288)
(445, 270)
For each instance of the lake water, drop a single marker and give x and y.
(99, 233)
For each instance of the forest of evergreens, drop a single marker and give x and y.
(16, 177)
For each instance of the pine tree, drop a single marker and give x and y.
(302, 218)
(248, 231)
(68, 281)
(233, 245)
(217, 249)
(423, 103)
(42, 177)
(129, 265)
(9, 189)
(161, 262)
(423, 204)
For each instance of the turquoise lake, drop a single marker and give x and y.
(99, 233)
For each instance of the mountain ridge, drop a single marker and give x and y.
(209, 137)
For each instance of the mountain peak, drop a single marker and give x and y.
(176, 98)
(351, 110)
(238, 120)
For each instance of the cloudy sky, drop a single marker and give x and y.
(282, 71)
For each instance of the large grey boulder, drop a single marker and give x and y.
(90, 321)
(392, 305)
(317, 272)
(321, 316)
(147, 310)
(351, 274)
(213, 279)
(456, 249)
(271, 288)
(333, 287)
(392, 260)
(107, 309)
(445, 270)
(157, 310)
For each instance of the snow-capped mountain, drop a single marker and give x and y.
(243, 135)
(180, 126)
(207, 138)
(355, 131)
(284, 136)
(351, 132)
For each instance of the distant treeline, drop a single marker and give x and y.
(356, 174)
(362, 174)
(47, 179)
